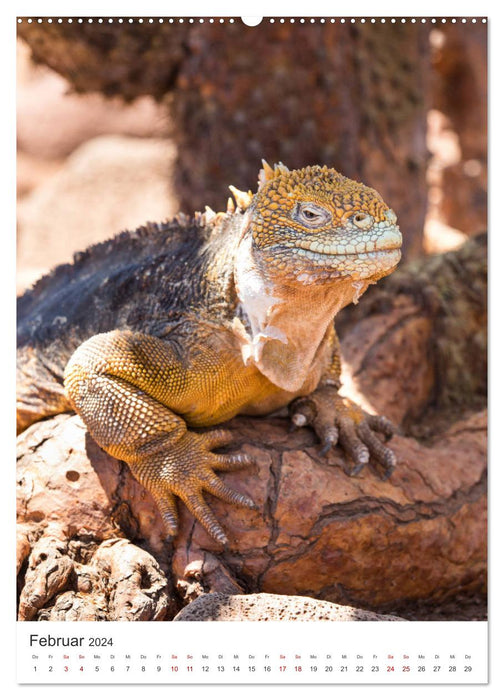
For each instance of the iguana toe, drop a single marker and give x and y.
(188, 473)
(337, 420)
(168, 509)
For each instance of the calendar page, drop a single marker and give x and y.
(252, 348)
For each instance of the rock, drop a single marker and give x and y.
(385, 367)
(32, 172)
(77, 565)
(354, 541)
(115, 580)
(418, 538)
(49, 568)
(66, 481)
(109, 184)
(52, 121)
(137, 588)
(206, 575)
(271, 608)
(415, 347)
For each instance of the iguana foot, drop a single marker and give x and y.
(338, 420)
(185, 469)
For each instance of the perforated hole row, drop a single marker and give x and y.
(253, 21)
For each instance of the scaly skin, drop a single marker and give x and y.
(308, 243)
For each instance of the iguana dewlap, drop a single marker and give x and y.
(182, 326)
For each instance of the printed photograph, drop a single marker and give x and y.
(252, 319)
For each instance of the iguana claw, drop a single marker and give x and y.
(337, 420)
(189, 471)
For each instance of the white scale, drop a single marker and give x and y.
(252, 652)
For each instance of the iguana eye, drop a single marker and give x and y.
(311, 215)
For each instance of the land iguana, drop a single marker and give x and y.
(179, 326)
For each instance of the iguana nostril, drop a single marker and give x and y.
(391, 216)
(362, 220)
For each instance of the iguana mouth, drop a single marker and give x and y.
(365, 255)
(338, 255)
(309, 266)
(354, 265)
(375, 241)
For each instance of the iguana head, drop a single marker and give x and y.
(313, 226)
(311, 241)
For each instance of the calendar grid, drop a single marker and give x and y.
(192, 652)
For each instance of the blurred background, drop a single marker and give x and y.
(119, 124)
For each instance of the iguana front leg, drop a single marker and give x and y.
(129, 389)
(338, 420)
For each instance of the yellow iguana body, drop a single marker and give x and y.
(246, 326)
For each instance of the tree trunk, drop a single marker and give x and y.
(459, 92)
(350, 96)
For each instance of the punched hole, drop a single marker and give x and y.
(251, 21)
